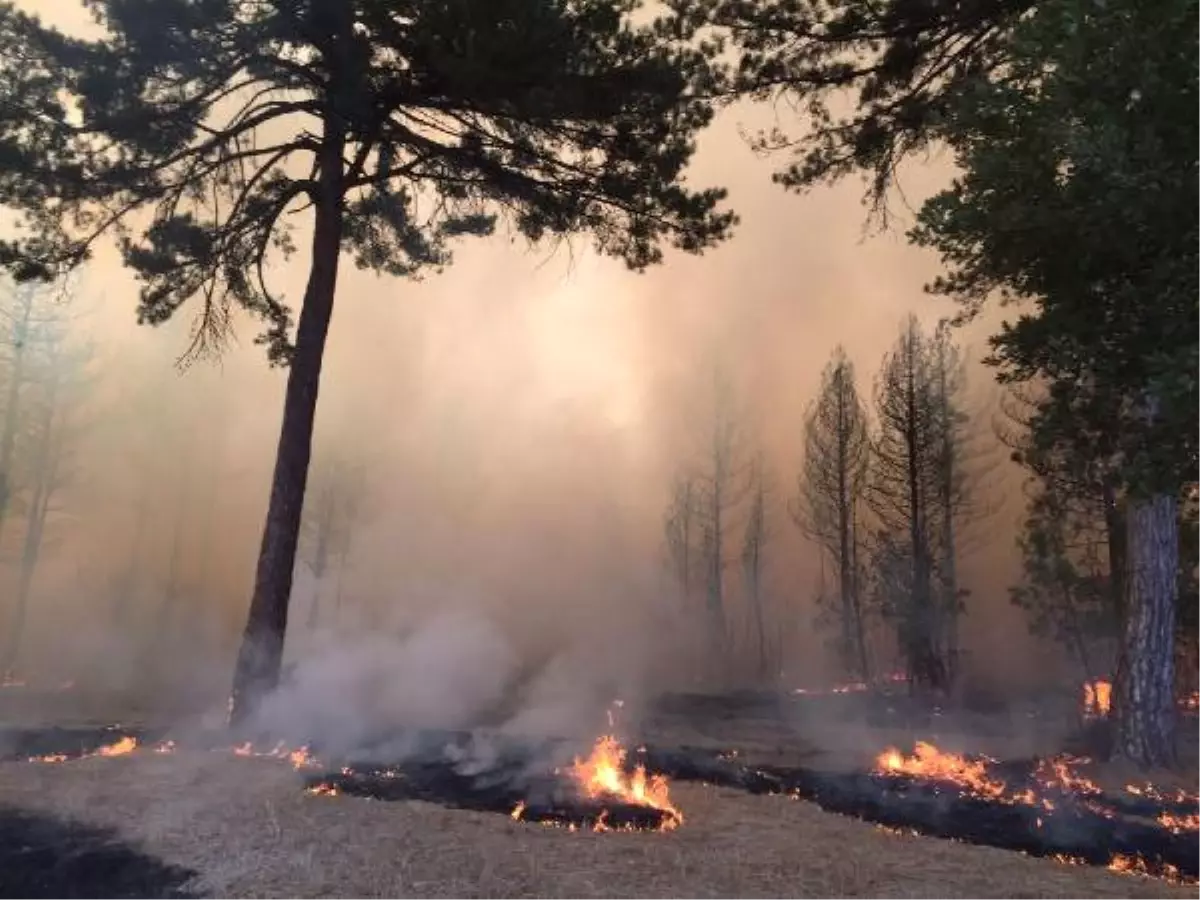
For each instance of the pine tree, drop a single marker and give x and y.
(191, 129)
(830, 493)
(1076, 198)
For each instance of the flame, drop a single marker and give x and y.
(246, 749)
(1179, 824)
(518, 811)
(930, 762)
(125, 745)
(120, 748)
(1097, 698)
(602, 775)
(49, 758)
(165, 747)
(1191, 703)
(1057, 774)
(323, 790)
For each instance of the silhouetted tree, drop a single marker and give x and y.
(679, 528)
(916, 491)
(191, 128)
(756, 536)
(28, 314)
(58, 369)
(331, 514)
(708, 497)
(830, 493)
(873, 83)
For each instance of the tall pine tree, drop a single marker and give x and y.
(190, 129)
(1077, 199)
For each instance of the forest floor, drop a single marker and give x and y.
(202, 823)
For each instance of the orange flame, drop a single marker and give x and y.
(1179, 824)
(125, 745)
(1097, 698)
(930, 762)
(120, 748)
(602, 775)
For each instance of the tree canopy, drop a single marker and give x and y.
(1077, 200)
(873, 82)
(192, 128)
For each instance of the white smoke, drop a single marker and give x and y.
(348, 689)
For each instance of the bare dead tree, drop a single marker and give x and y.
(903, 489)
(679, 529)
(57, 373)
(829, 496)
(756, 536)
(27, 313)
(708, 495)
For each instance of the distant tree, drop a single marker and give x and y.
(917, 491)
(28, 312)
(830, 492)
(679, 529)
(189, 129)
(58, 373)
(708, 498)
(1078, 173)
(331, 512)
(902, 490)
(952, 502)
(756, 536)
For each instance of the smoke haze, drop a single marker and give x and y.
(510, 428)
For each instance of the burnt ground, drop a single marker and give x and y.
(199, 822)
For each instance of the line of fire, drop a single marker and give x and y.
(1046, 807)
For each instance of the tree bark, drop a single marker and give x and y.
(1145, 707)
(261, 655)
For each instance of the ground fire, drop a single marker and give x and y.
(602, 776)
(599, 792)
(1046, 807)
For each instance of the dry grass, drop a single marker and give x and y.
(249, 831)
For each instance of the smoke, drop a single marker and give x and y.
(354, 691)
(351, 688)
(514, 426)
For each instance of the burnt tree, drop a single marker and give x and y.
(830, 493)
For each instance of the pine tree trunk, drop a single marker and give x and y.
(1145, 707)
(1114, 526)
(860, 628)
(261, 655)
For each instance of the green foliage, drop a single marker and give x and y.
(1077, 198)
(1066, 588)
(192, 128)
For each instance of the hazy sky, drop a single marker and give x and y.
(522, 413)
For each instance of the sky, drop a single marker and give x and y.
(519, 419)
